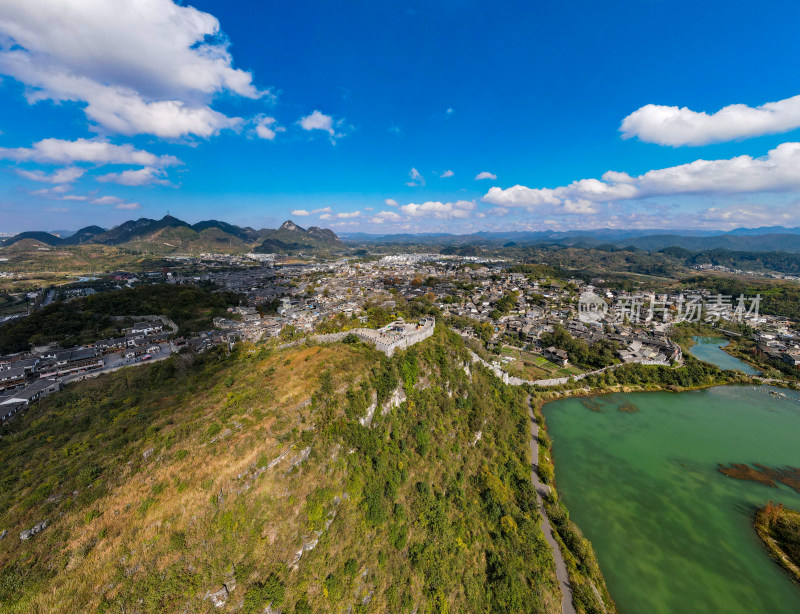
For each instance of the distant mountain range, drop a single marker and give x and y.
(774, 238)
(172, 234)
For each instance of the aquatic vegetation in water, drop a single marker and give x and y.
(790, 476)
(592, 405)
(628, 408)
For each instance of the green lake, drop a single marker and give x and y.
(708, 349)
(672, 534)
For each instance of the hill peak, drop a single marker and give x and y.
(290, 225)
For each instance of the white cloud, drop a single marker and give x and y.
(62, 175)
(326, 216)
(75, 197)
(750, 214)
(55, 192)
(498, 211)
(449, 111)
(349, 214)
(107, 200)
(386, 216)
(681, 126)
(305, 212)
(96, 151)
(391, 202)
(778, 171)
(150, 66)
(267, 128)
(439, 210)
(485, 175)
(319, 121)
(415, 178)
(446, 174)
(138, 177)
(116, 201)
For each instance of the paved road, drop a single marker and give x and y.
(561, 567)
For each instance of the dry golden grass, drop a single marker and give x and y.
(211, 469)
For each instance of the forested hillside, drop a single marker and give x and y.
(249, 479)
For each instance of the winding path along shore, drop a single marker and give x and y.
(561, 567)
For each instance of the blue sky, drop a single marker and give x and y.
(381, 116)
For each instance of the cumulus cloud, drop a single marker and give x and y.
(138, 177)
(322, 210)
(415, 178)
(319, 121)
(62, 175)
(439, 210)
(391, 202)
(300, 213)
(267, 128)
(137, 67)
(349, 214)
(96, 151)
(128, 206)
(778, 171)
(326, 216)
(681, 126)
(485, 175)
(386, 216)
(447, 174)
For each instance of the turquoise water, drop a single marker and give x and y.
(708, 349)
(672, 534)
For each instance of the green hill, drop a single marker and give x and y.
(248, 480)
(292, 238)
(41, 237)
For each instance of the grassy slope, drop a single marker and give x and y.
(157, 485)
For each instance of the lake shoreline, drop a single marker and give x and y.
(546, 462)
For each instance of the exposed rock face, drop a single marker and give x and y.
(37, 528)
(398, 397)
(367, 420)
(3, 534)
(290, 225)
(220, 597)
